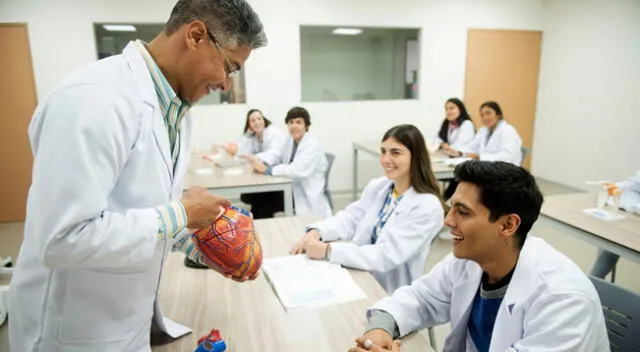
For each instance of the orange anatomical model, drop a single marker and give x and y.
(230, 244)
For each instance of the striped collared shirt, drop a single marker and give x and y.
(171, 106)
(172, 218)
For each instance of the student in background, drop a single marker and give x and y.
(260, 139)
(457, 129)
(264, 142)
(392, 225)
(495, 141)
(302, 159)
(500, 289)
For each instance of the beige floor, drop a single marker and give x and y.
(580, 252)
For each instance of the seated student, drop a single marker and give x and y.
(457, 129)
(303, 159)
(496, 140)
(392, 225)
(500, 289)
(260, 139)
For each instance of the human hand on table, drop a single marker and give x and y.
(316, 249)
(298, 248)
(376, 340)
(259, 166)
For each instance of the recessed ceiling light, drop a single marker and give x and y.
(347, 31)
(119, 27)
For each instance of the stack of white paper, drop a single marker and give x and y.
(602, 214)
(302, 283)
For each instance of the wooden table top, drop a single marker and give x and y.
(206, 173)
(568, 210)
(250, 316)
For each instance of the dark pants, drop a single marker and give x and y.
(264, 204)
(451, 189)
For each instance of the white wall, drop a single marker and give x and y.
(588, 121)
(62, 38)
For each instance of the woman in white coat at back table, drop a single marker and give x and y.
(390, 228)
(264, 142)
(497, 140)
(302, 159)
(260, 139)
(457, 129)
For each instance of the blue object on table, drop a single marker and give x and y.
(211, 343)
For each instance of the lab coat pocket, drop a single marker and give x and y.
(102, 307)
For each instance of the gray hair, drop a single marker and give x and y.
(232, 22)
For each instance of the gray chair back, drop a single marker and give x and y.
(621, 309)
(524, 151)
(327, 193)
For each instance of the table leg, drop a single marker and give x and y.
(354, 195)
(288, 200)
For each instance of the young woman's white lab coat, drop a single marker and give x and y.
(89, 267)
(550, 304)
(503, 145)
(460, 137)
(398, 257)
(272, 143)
(308, 171)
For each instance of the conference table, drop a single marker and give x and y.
(564, 213)
(250, 316)
(233, 178)
(440, 170)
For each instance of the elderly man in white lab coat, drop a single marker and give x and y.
(106, 203)
(499, 289)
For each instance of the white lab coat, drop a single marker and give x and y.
(308, 171)
(459, 137)
(399, 255)
(89, 267)
(550, 304)
(272, 143)
(503, 145)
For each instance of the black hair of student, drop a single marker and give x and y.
(422, 178)
(247, 126)
(299, 112)
(464, 115)
(504, 189)
(493, 106)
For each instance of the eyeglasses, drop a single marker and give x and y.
(230, 69)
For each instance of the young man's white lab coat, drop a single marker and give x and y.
(308, 171)
(550, 304)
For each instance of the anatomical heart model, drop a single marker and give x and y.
(230, 244)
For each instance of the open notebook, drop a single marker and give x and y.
(302, 283)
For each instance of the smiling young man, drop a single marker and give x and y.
(500, 289)
(302, 159)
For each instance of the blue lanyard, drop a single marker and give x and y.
(384, 214)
